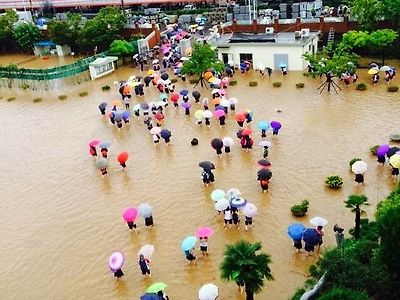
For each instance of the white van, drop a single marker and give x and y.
(189, 7)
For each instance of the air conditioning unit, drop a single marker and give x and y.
(297, 34)
(269, 30)
(305, 32)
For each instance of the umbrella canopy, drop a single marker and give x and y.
(233, 193)
(382, 150)
(196, 94)
(165, 134)
(219, 107)
(101, 163)
(125, 114)
(103, 105)
(264, 174)
(147, 251)
(249, 210)
(116, 261)
(395, 161)
(144, 106)
(217, 143)
(145, 210)
(227, 141)
(174, 97)
(392, 151)
(311, 236)
(216, 101)
(246, 132)
(276, 125)
(186, 105)
(159, 116)
(130, 214)
(208, 291)
(318, 221)
(215, 91)
(263, 125)
(238, 202)
(219, 113)
(184, 92)
(385, 68)
(373, 71)
(239, 133)
(93, 143)
(199, 114)
(136, 107)
(164, 76)
(261, 67)
(222, 204)
(148, 296)
(295, 231)
(188, 243)
(265, 143)
(204, 232)
(359, 167)
(123, 157)
(217, 195)
(156, 287)
(105, 145)
(224, 102)
(206, 165)
(264, 163)
(155, 130)
(207, 114)
(373, 65)
(240, 117)
(150, 72)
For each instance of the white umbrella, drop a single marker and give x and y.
(318, 221)
(265, 143)
(145, 210)
(359, 167)
(233, 193)
(215, 91)
(232, 100)
(147, 251)
(184, 58)
(385, 68)
(261, 67)
(249, 210)
(224, 102)
(228, 142)
(155, 130)
(208, 291)
(207, 114)
(222, 204)
(155, 61)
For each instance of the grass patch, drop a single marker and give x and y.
(393, 89)
(83, 94)
(105, 88)
(62, 97)
(25, 86)
(361, 86)
(37, 100)
(253, 83)
(233, 82)
(174, 80)
(373, 149)
(300, 85)
(9, 99)
(277, 84)
(193, 80)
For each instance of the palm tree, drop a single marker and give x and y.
(355, 202)
(242, 264)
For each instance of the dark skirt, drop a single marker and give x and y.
(227, 149)
(118, 273)
(359, 178)
(381, 159)
(297, 244)
(148, 221)
(309, 248)
(190, 257)
(395, 171)
(203, 248)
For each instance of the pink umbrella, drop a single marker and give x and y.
(130, 214)
(219, 113)
(225, 80)
(222, 92)
(204, 232)
(93, 143)
(183, 33)
(116, 261)
(178, 37)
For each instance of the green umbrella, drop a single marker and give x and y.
(156, 287)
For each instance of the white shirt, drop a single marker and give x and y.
(227, 215)
(203, 243)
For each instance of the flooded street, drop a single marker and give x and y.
(61, 221)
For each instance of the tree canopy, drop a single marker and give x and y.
(26, 35)
(122, 48)
(65, 32)
(6, 24)
(367, 12)
(203, 58)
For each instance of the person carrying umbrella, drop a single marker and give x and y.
(295, 232)
(207, 176)
(264, 176)
(203, 245)
(115, 263)
(166, 135)
(112, 117)
(144, 265)
(102, 108)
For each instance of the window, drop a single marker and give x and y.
(246, 56)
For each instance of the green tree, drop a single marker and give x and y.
(6, 25)
(391, 11)
(367, 12)
(65, 32)
(355, 202)
(203, 58)
(381, 40)
(343, 294)
(122, 48)
(26, 35)
(242, 264)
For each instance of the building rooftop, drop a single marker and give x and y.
(278, 38)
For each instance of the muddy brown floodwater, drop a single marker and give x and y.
(60, 221)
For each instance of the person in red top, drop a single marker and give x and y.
(264, 185)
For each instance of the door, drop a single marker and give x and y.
(227, 58)
(281, 59)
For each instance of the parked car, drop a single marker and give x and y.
(189, 7)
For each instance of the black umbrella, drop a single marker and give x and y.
(217, 144)
(103, 105)
(373, 65)
(164, 76)
(206, 165)
(392, 151)
(196, 95)
(165, 134)
(147, 79)
(264, 174)
(239, 134)
(264, 163)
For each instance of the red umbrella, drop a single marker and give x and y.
(123, 157)
(174, 97)
(246, 131)
(240, 117)
(159, 116)
(94, 143)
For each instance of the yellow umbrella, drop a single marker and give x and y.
(131, 78)
(395, 161)
(211, 79)
(373, 71)
(150, 72)
(133, 83)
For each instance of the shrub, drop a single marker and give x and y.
(344, 294)
(83, 94)
(62, 97)
(105, 88)
(277, 84)
(361, 86)
(25, 86)
(174, 80)
(9, 99)
(300, 85)
(392, 89)
(300, 210)
(193, 80)
(351, 162)
(253, 83)
(305, 74)
(37, 100)
(334, 181)
(373, 149)
(233, 82)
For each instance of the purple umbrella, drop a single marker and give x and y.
(103, 105)
(186, 105)
(219, 107)
(382, 150)
(276, 125)
(392, 151)
(311, 236)
(125, 115)
(144, 106)
(217, 144)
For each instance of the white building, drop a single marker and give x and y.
(102, 66)
(268, 49)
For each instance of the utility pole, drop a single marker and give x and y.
(123, 7)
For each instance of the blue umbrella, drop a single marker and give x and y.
(243, 66)
(219, 107)
(149, 296)
(262, 125)
(165, 133)
(102, 105)
(163, 96)
(184, 92)
(104, 145)
(295, 231)
(188, 243)
(282, 65)
(125, 115)
(311, 236)
(238, 202)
